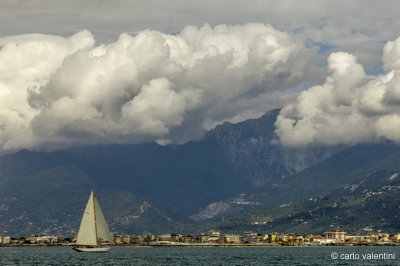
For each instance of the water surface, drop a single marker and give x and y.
(199, 256)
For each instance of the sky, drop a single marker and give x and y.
(88, 72)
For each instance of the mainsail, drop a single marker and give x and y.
(93, 229)
(102, 229)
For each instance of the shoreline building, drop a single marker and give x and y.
(336, 235)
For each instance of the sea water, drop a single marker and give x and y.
(203, 256)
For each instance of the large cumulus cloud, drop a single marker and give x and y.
(350, 107)
(27, 63)
(57, 92)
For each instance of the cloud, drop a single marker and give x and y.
(344, 25)
(350, 107)
(57, 92)
(26, 63)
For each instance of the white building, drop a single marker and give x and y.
(336, 235)
(5, 240)
(230, 238)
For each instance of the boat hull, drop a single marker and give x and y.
(91, 249)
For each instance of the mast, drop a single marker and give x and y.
(94, 216)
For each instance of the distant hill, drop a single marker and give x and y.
(51, 201)
(48, 190)
(367, 196)
(319, 179)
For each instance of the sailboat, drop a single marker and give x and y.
(93, 231)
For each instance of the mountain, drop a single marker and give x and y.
(179, 177)
(51, 201)
(368, 200)
(162, 185)
(252, 149)
(319, 179)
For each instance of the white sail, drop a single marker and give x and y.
(93, 229)
(102, 230)
(87, 230)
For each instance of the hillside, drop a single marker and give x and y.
(162, 185)
(319, 179)
(51, 201)
(370, 200)
(235, 170)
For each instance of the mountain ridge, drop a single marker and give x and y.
(158, 188)
(318, 179)
(370, 200)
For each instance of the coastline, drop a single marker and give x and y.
(188, 245)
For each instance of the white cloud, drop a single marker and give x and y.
(349, 107)
(57, 91)
(343, 25)
(26, 63)
(391, 55)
